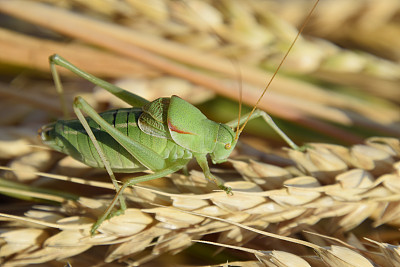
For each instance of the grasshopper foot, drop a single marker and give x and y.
(96, 225)
(104, 217)
(303, 148)
(227, 189)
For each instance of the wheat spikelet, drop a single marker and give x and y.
(361, 22)
(350, 188)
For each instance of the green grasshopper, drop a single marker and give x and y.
(161, 136)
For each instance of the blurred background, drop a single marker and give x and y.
(340, 84)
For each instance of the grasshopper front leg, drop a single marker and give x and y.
(202, 161)
(259, 113)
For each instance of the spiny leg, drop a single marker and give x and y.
(202, 161)
(103, 158)
(128, 97)
(259, 113)
(59, 89)
(149, 158)
(55, 60)
(132, 181)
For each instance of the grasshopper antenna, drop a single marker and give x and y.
(277, 69)
(233, 60)
(240, 101)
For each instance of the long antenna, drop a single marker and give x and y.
(240, 101)
(234, 61)
(277, 69)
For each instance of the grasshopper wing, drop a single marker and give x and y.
(153, 120)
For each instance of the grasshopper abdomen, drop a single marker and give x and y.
(69, 137)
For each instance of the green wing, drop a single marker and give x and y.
(153, 120)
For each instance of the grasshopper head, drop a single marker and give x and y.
(48, 136)
(226, 142)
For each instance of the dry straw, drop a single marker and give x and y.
(320, 207)
(347, 185)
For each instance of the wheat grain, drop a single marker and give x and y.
(351, 196)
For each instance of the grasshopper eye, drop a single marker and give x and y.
(228, 146)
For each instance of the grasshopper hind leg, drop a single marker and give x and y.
(57, 60)
(129, 144)
(108, 213)
(105, 161)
